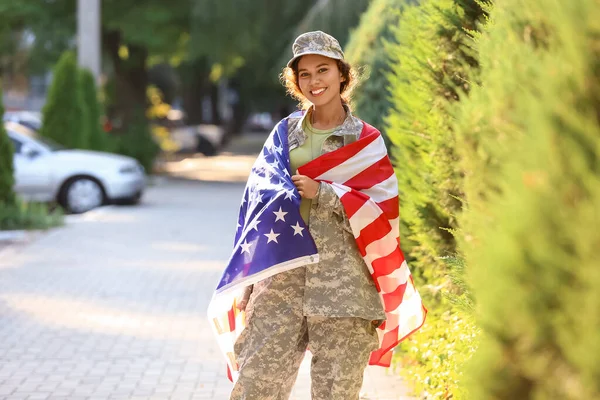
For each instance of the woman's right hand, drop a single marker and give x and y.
(242, 301)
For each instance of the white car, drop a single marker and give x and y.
(79, 180)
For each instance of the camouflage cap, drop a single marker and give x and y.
(316, 42)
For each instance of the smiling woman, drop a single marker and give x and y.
(316, 262)
(297, 77)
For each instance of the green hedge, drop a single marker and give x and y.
(530, 140)
(429, 68)
(366, 50)
(97, 138)
(430, 65)
(63, 113)
(7, 181)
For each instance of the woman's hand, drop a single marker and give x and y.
(307, 187)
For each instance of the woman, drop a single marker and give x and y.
(331, 307)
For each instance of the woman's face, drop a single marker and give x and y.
(319, 79)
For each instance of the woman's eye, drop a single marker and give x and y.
(323, 70)
(303, 75)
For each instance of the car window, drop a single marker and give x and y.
(17, 145)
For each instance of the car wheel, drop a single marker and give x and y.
(81, 195)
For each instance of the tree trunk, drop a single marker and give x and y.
(214, 101)
(130, 80)
(194, 77)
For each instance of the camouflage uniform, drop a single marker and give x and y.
(328, 307)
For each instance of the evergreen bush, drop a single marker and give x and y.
(7, 180)
(431, 63)
(97, 138)
(137, 142)
(63, 113)
(366, 50)
(529, 137)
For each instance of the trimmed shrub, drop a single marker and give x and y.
(63, 112)
(529, 137)
(429, 67)
(366, 50)
(7, 180)
(430, 64)
(137, 142)
(97, 138)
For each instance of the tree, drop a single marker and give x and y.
(63, 111)
(430, 63)
(529, 137)
(367, 51)
(97, 138)
(7, 180)
(428, 71)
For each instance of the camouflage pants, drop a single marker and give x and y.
(271, 348)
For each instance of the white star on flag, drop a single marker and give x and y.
(280, 215)
(297, 229)
(254, 225)
(246, 247)
(289, 194)
(272, 236)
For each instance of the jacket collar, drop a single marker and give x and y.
(349, 130)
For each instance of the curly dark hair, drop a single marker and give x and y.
(289, 79)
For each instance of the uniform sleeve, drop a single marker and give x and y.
(326, 197)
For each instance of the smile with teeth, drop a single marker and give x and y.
(317, 92)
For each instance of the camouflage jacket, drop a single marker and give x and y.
(340, 285)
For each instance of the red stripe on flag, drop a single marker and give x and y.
(371, 176)
(383, 355)
(393, 300)
(231, 316)
(388, 264)
(390, 207)
(368, 130)
(327, 161)
(372, 232)
(352, 202)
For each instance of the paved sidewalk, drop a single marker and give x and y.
(112, 306)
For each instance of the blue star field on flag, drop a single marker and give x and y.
(271, 235)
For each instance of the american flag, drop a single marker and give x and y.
(271, 236)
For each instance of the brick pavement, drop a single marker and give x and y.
(112, 306)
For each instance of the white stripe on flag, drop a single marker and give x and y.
(381, 248)
(364, 216)
(362, 160)
(384, 190)
(395, 223)
(389, 283)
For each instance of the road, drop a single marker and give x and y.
(113, 304)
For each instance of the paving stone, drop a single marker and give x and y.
(113, 305)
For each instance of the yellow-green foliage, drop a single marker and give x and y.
(428, 68)
(431, 64)
(530, 141)
(433, 359)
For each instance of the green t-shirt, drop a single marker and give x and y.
(309, 150)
